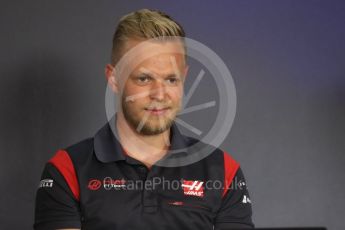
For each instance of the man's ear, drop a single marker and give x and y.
(112, 79)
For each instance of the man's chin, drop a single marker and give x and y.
(154, 128)
(150, 131)
(154, 124)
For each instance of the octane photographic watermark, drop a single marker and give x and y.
(162, 183)
(211, 64)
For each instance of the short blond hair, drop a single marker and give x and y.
(143, 24)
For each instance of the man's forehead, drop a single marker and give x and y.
(154, 47)
(163, 62)
(160, 57)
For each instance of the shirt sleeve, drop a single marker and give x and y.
(56, 206)
(236, 208)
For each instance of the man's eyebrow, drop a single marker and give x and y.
(141, 74)
(145, 72)
(172, 75)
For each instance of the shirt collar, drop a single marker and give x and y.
(109, 149)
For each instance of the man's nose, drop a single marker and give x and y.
(158, 91)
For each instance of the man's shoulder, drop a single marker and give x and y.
(211, 153)
(83, 145)
(80, 151)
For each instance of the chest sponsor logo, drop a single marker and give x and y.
(109, 183)
(94, 184)
(46, 183)
(193, 188)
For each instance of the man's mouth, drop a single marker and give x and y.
(157, 111)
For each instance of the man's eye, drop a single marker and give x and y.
(172, 80)
(143, 79)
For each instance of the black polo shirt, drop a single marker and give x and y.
(95, 185)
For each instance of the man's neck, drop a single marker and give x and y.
(147, 149)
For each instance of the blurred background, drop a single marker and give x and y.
(287, 60)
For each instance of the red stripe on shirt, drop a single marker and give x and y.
(64, 164)
(230, 169)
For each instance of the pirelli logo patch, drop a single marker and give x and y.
(193, 188)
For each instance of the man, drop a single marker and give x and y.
(118, 180)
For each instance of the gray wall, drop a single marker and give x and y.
(287, 59)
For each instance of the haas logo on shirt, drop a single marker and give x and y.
(193, 188)
(108, 184)
(94, 184)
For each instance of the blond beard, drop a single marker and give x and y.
(147, 128)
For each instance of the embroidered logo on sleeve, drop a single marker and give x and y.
(193, 188)
(46, 183)
(242, 185)
(246, 200)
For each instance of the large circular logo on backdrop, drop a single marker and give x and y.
(210, 64)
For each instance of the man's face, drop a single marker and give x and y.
(152, 93)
